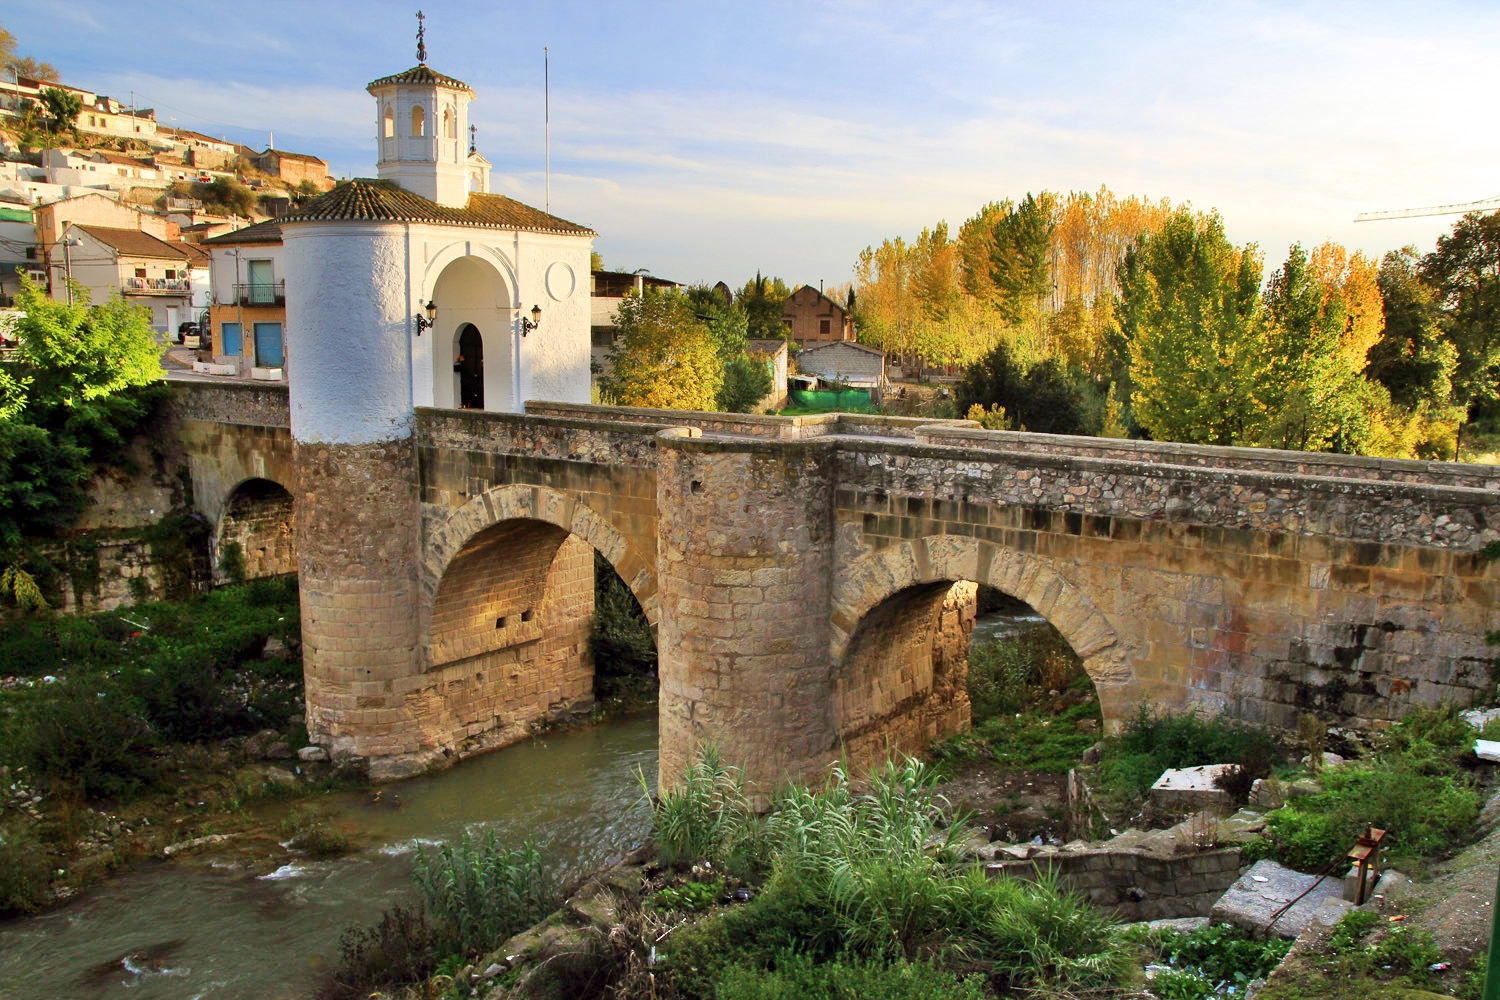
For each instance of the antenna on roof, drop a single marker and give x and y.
(421, 37)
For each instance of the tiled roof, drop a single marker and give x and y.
(375, 200)
(421, 73)
(118, 159)
(308, 157)
(262, 232)
(135, 243)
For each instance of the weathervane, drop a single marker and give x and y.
(472, 129)
(421, 38)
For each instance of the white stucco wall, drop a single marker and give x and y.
(550, 363)
(348, 325)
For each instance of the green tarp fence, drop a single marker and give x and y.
(847, 399)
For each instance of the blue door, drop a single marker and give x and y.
(231, 340)
(268, 350)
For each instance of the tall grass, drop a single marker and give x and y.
(482, 892)
(706, 817)
(867, 874)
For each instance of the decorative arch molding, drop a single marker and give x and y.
(534, 503)
(469, 248)
(877, 576)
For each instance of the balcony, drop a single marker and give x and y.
(261, 293)
(158, 286)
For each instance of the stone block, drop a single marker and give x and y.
(1258, 901)
(1191, 789)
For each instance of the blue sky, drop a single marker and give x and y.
(709, 140)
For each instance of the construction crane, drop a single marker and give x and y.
(1484, 205)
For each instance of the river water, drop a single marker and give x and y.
(177, 930)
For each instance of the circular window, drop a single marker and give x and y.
(560, 281)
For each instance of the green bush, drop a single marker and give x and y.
(24, 870)
(84, 735)
(481, 893)
(1151, 744)
(797, 977)
(688, 897)
(1425, 814)
(1009, 674)
(1219, 953)
(403, 948)
(868, 876)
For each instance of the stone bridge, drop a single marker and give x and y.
(812, 579)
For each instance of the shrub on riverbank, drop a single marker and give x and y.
(868, 879)
(478, 892)
(23, 870)
(92, 697)
(1415, 785)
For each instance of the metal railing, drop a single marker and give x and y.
(261, 293)
(163, 285)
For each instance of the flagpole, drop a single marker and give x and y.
(546, 123)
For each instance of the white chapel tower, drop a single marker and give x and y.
(422, 122)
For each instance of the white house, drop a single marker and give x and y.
(148, 271)
(421, 288)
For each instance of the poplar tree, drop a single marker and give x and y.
(1190, 312)
(664, 356)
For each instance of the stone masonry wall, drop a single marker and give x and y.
(1137, 885)
(259, 518)
(510, 640)
(745, 566)
(902, 684)
(358, 581)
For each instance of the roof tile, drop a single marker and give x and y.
(421, 73)
(378, 200)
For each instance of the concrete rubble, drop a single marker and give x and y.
(1257, 901)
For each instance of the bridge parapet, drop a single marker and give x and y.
(1300, 463)
(1362, 509)
(255, 404)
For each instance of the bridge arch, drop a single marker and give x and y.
(914, 585)
(535, 503)
(256, 529)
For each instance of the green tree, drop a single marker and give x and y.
(1411, 359)
(83, 377)
(1465, 272)
(62, 107)
(1190, 312)
(1019, 258)
(664, 356)
(1040, 397)
(747, 380)
(763, 300)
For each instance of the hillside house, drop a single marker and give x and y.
(293, 168)
(248, 314)
(169, 279)
(812, 318)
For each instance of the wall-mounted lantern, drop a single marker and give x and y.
(427, 322)
(527, 325)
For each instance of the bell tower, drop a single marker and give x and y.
(421, 123)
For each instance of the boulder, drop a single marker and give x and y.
(279, 750)
(312, 754)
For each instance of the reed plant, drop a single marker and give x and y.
(705, 817)
(482, 892)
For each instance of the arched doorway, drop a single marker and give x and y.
(469, 364)
(474, 309)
